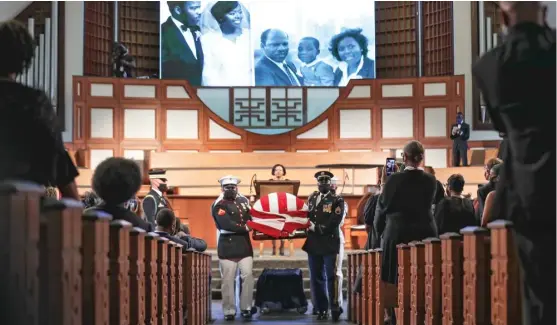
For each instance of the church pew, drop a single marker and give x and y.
(61, 265)
(457, 279)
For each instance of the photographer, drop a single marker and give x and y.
(404, 213)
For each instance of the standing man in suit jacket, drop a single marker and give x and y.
(181, 51)
(460, 133)
(273, 69)
(517, 80)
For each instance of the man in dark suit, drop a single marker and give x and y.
(273, 69)
(517, 79)
(326, 211)
(460, 133)
(181, 51)
(154, 200)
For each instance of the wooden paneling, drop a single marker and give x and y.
(139, 31)
(437, 41)
(395, 39)
(412, 95)
(99, 37)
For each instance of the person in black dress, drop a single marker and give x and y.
(455, 211)
(31, 146)
(485, 189)
(116, 181)
(404, 211)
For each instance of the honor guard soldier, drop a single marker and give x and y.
(326, 211)
(340, 276)
(154, 200)
(231, 213)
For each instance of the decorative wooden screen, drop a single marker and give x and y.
(437, 22)
(139, 31)
(396, 46)
(491, 16)
(99, 37)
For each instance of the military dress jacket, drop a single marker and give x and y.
(151, 204)
(231, 218)
(326, 213)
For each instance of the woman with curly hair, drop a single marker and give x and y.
(350, 48)
(31, 144)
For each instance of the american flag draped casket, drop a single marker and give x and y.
(279, 216)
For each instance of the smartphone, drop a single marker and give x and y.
(390, 165)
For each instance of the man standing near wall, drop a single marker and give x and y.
(460, 133)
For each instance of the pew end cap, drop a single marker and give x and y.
(473, 230)
(500, 224)
(416, 244)
(120, 224)
(135, 231)
(13, 186)
(151, 235)
(450, 235)
(432, 240)
(402, 246)
(92, 215)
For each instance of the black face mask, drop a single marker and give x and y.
(324, 188)
(230, 192)
(163, 188)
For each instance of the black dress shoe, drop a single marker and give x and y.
(229, 317)
(246, 314)
(336, 314)
(322, 315)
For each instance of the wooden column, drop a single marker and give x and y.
(358, 318)
(151, 280)
(372, 298)
(505, 281)
(95, 299)
(178, 287)
(162, 280)
(451, 278)
(137, 276)
(417, 298)
(61, 232)
(171, 279)
(119, 276)
(403, 310)
(379, 309)
(433, 297)
(19, 251)
(365, 283)
(476, 276)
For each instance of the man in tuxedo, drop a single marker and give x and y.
(517, 79)
(272, 69)
(460, 132)
(181, 51)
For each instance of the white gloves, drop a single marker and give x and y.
(311, 226)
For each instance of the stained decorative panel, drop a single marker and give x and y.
(99, 36)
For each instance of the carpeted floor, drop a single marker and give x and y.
(286, 317)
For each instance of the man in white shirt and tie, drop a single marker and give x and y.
(273, 69)
(181, 50)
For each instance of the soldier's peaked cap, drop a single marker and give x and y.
(228, 180)
(323, 174)
(157, 173)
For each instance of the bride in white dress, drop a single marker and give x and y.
(228, 55)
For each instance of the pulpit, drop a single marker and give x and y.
(266, 187)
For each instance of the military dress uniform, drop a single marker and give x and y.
(234, 249)
(326, 211)
(154, 200)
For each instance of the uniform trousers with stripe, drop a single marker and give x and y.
(324, 281)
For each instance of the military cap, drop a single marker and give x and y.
(229, 180)
(323, 174)
(157, 173)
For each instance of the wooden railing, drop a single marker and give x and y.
(62, 266)
(471, 278)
